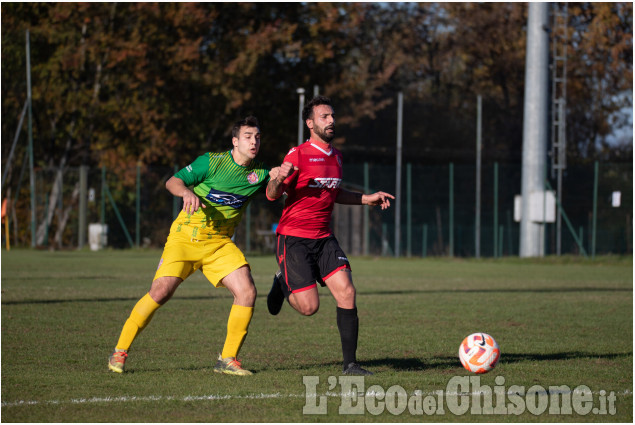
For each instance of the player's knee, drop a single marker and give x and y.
(161, 295)
(348, 294)
(309, 311)
(250, 293)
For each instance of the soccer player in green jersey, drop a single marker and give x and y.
(200, 238)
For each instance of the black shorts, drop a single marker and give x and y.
(305, 262)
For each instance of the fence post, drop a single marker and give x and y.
(451, 230)
(366, 210)
(138, 207)
(409, 208)
(175, 199)
(479, 148)
(424, 250)
(103, 197)
(30, 137)
(248, 228)
(495, 209)
(595, 207)
(83, 207)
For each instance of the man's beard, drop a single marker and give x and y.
(323, 135)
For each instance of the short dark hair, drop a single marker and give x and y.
(307, 111)
(250, 121)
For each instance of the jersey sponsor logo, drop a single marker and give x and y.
(228, 199)
(252, 178)
(326, 182)
(291, 151)
(189, 168)
(316, 160)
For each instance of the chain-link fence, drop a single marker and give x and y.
(438, 211)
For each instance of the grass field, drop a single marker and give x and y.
(559, 322)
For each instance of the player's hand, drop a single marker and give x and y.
(285, 170)
(273, 173)
(191, 202)
(378, 198)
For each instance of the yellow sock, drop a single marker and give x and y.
(139, 318)
(237, 324)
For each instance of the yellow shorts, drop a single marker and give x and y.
(216, 257)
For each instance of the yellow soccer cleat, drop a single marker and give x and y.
(117, 361)
(230, 366)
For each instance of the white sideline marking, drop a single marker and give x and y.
(212, 397)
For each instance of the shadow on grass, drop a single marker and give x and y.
(327, 294)
(451, 362)
(445, 362)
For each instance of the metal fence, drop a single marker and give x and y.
(438, 209)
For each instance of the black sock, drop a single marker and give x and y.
(348, 325)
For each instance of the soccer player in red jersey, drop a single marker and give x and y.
(307, 251)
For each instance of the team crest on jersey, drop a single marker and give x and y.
(252, 178)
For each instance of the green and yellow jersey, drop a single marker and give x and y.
(225, 188)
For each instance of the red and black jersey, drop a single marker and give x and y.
(311, 190)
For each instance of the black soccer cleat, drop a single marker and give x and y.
(275, 298)
(355, 369)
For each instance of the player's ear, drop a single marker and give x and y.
(235, 141)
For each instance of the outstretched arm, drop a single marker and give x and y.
(355, 198)
(277, 176)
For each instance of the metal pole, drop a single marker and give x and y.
(398, 183)
(175, 199)
(248, 229)
(7, 165)
(83, 195)
(316, 90)
(451, 207)
(138, 207)
(300, 92)
(103, 197)
(479, 148)
(424, 250)
(409, 209)
(30, 132)
(366, 210)
(535, 126)
(595, 207)
(495, 209)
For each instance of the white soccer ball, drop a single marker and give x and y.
(479, 353)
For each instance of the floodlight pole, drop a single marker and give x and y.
(535, 127)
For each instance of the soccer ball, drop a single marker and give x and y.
(479, 353)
